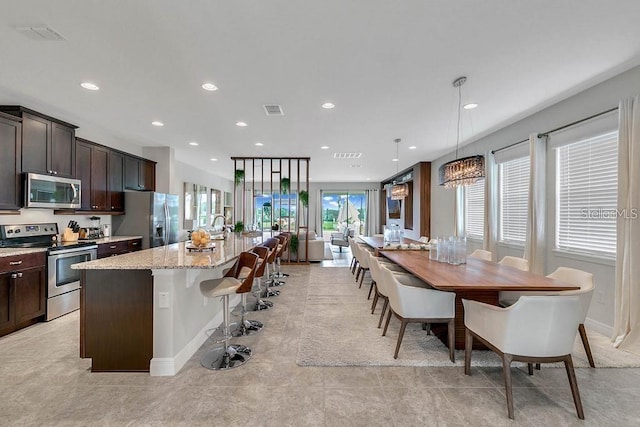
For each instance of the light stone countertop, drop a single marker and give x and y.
(19, 251)
(114, 239)
(175, 256)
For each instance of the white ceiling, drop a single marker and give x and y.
(388, 66)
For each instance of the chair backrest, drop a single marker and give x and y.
(244, 269)
(272, 244)
(263, 254)
(536, 326)
(481, 254)
(376, 273)
(352, 246)
(363, 257)
(282, 244)
(514, 262)
(578, 278)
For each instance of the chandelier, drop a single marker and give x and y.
(398, 191)
(464, 171)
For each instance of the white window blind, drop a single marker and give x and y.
(474, 210)
(586, 195)
(514, 192)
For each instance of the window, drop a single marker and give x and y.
(586, 195)
(474, 210)
(514, 192)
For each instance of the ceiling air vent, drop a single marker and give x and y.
(273, 110)
(355, 166)
(41, 33)
(347, 155)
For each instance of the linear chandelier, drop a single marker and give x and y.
(466, 170)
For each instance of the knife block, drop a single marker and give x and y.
(69, 235)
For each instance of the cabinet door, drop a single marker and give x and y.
(83, 173)
(116, 181)
(35, 148)
(30, 300)
(99, 178)
(10, 178)
(131, 173)
(63, 147)
(147, 175)
(6, 301)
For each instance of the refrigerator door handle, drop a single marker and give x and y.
(166, 223)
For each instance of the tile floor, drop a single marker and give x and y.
(43, 382)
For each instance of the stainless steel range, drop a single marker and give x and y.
(63, 287)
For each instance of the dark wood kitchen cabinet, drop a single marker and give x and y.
(48, 144)
(116, 181)
(118, 248)
(92, 167)
(139, 174)
(22, 291)
(10, 168)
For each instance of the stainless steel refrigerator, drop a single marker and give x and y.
(154, 216)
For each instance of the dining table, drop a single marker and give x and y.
(477, 280)
(378, 244)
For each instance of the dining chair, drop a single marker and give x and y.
(377, 282)
(575, 277)
(481, 254)
(515, 262)
(536, 329)
(417, 304)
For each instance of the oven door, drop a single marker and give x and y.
(62, 278)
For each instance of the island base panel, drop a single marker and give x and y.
(117, 320)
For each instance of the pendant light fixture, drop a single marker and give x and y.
(398, 191)
(467, 170)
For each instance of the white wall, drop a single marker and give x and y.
(584, 104)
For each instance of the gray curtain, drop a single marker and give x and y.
(373, 212)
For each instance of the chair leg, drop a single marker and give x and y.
(373, 283)
(386, 324)
(358, 273)
(384, 308)
(530, 368)
(585, 343)
(403, 326)
(451, 329)
(506, 368)
(375, 302)
(355, 265)
(353, 262)
(364, 270)
(468, 344)
(537, 366)
(568, 364)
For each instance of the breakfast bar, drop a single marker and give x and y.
(143, 311)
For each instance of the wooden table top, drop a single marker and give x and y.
(476, 274)
(377, 242)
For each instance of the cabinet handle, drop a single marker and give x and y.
(14, 275)
(50, 172)
(19, 274)
(55, 172)
(15, 262)
(112, 247)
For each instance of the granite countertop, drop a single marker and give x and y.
(114, 239)
(175, 256)
(20, 251)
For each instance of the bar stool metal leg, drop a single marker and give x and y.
(246, 326)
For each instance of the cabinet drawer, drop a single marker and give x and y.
(20, 262)
(134, 245)
(108, 249)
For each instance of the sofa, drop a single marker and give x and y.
(316, 247)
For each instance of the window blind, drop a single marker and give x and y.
(514, 194)
(474, 210)
(586, 195)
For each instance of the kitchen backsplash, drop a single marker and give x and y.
(35, 216)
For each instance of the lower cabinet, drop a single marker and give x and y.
(22, 291)
(118, 248)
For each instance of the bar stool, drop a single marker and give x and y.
(276, 274)
(230, 355)
(246, 326)
(260, 304)
(285, 246)
(271, 244)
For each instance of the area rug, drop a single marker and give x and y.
(328, 254)
(339, 330)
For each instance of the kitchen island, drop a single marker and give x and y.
(143, 311)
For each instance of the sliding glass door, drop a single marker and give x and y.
(342, 209)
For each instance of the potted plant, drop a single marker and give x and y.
(293, 244)
(238, 227)
(304, 198)
(238, 176)
(285, 184)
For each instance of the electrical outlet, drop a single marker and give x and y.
(163, 300)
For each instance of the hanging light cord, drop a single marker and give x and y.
(458, 127)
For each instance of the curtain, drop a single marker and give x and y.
(458, 211)
(627, 285)
(316, 215)
(373, 212)
(535, 245)
(490, 205)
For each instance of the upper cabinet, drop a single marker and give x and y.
(139, 174)
(116, 181)
(48, 144)
(10, 168)
(93, 171)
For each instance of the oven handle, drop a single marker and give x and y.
(85, 249)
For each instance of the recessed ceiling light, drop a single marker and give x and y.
(368, 179)
(241, 124)
(213, 159)
(259, 144)
(90, 86)
(157, 123)
(470, 106)
(328, 105)
(395, 160)
(209, 86)
(324, 147)
(193, 143)
(413, 147)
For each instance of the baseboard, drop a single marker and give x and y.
(169, 366)
(599, 327)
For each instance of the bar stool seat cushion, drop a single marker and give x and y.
(219, 287)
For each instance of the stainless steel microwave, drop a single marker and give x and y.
(46, 191)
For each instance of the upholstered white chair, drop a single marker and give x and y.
(515, 262)
(354, 255)
(413, 304)
(536, 329)
(363, 262)
(481, 254)
(378, 284)
(575, 277)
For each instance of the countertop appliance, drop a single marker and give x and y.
(90, 233)
(49, 191)
(150, 214)
(63, 283)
